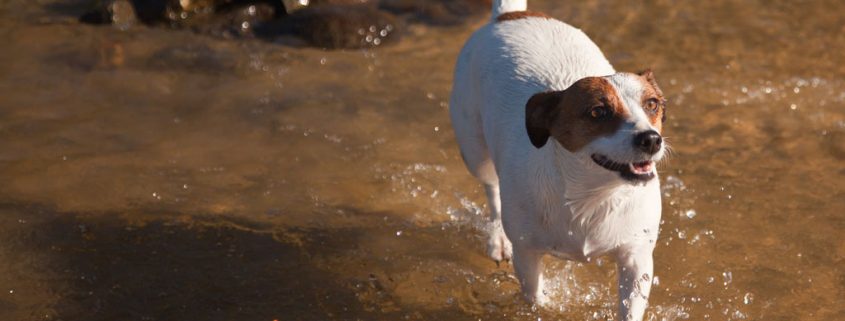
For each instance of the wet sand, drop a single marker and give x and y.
(157, 174)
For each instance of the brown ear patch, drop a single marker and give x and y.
(566, 115)
(516, 15)
(652, 92)
(539, 111)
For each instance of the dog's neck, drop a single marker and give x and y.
(589, 191)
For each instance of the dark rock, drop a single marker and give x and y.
(294, 5)
(332, 24)
(118, 12)
(335, 26)
(232, 21)
(153, 11)
(341, 2)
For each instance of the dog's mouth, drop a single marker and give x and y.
(636, 171)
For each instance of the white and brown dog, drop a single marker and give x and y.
(565, 147)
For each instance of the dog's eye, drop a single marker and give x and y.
(651, 105)
(599, 112)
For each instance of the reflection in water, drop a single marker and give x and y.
(155, 174)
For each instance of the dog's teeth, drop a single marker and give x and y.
(640, 168)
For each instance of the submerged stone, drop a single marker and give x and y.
(117, 12)
(335, 26)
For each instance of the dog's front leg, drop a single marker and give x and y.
(528, 265)
(635, 269)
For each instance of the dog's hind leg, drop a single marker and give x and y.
(498, 246)
(465, 111)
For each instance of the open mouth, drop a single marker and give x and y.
(637, 171)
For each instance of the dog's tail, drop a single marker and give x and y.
(505, 6)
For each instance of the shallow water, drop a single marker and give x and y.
(154, 174)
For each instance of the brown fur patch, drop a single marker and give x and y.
(516, 15)
(652, 92)
(565, 115)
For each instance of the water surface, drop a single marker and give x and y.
(156, 174)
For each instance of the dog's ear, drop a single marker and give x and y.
(539, 112)
(648, 74)
(649, 77)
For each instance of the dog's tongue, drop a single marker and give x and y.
(641, 167)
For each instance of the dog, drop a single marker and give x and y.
(565, 146)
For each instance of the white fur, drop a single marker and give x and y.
(502, 6)
(550, 200)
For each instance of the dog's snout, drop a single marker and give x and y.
(648, 141)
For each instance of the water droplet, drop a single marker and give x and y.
(655, 281)
(748, 298)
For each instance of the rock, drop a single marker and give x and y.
(199, 5)
(118, 12)
(332, 24)
(335, 26)
(340, 2)
(232, 21)
(153, 11)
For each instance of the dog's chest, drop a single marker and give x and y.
(591, 227)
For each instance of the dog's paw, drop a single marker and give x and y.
(499, 248)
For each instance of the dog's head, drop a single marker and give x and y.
(614, 121)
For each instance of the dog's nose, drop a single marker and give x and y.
(648, 141)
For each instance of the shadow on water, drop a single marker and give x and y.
(108, 267)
